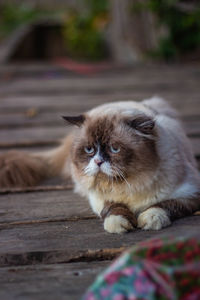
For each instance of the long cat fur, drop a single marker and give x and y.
(154, 174)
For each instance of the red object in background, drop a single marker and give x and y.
(81, 67)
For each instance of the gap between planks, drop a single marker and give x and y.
(36, 189)
(50, 281)
(68, 219)
(32, 258)
(81, 241)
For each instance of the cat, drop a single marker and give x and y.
(130, 159)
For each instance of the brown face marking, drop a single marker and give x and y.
(100, 130)
(137, 153)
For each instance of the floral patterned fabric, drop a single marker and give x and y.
(157, 269)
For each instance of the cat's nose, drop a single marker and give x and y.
(98, 162)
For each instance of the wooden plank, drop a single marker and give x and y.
(22, 70)
(96, 85)
(196, 146)
(36, 135)
(48, 103)
(38, 207)
(49, 282)
(43, 136)
(192, 127)
(76, 241)
(30, 148)
(134, 76)
(186, 103)
(34, 118)
(140, 76)
(45, 68)
(27, 68)
(60, 185)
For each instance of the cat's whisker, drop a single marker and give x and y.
(116, 173)
(114, 177)
(86, 170)
(121, 176)
(128, 184)
(112, 183)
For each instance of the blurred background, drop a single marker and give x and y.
(68, 56)
(127, 31)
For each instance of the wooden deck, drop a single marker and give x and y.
(51, 244)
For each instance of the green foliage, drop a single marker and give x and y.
(14, 15)
(183, 26)
(84, 33)
(97, 6)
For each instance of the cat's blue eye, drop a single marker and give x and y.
(114, 149)
(89, 150)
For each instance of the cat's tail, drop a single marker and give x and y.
(160, 106)
(22, 169)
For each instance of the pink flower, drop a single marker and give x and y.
(128, 271)
(105, 292)
(111, 278)
(90, 296)
(119, 297)
(142, 287)
(132, 297)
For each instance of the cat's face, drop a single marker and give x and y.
(114, 147)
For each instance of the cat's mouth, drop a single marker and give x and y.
(95, 170)
(105, 171)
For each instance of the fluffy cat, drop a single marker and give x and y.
(132, 161)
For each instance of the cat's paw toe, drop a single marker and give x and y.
(117, 224)
(153, 218)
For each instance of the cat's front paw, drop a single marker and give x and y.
(117, 224)
(153, 218)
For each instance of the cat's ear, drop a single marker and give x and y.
(75, 120)
(143, 124)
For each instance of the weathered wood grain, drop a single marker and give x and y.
(196, 146)
(34, 69)
(34, 117)
(19, 121)
(75, 241)
(48, 282)
(192, 127)
(135, 81)
(42, 207)
(47, 136)
(51, 102)
(84, 101)
(36, 135)
(51, 184)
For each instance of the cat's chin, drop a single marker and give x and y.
(100, 181)
(100, 175)
(101, 178)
